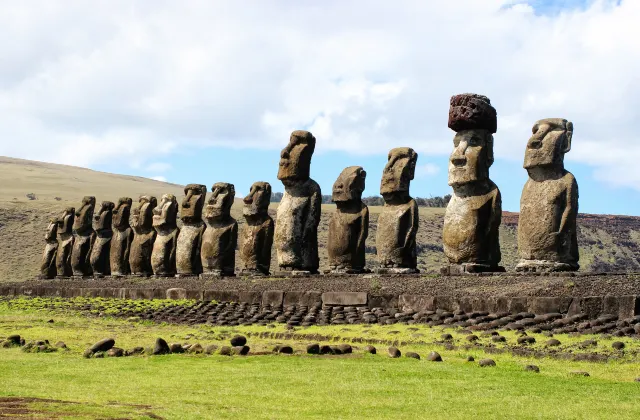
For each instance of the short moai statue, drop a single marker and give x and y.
(547, 237)
(100, 252)
(65, 243)
(298, 215)
(220, 238)
(122, 238)
(144, 235)
(188, 260)
(472, 218)
(256, 237)
(83, 238)
(398, 221)
(163, 255)
(48, 266)
(349, 224)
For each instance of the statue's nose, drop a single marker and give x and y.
(459, 160)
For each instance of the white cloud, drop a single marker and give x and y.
(91, 82)
(427, 169)
(159, 178)
(158, 167)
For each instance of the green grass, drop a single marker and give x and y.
(301, 386)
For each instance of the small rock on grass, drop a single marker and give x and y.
(526, 340)
(553, 342)
(313, 348)
(532, 368)
(394, 352)
(579, 373)
(196, 349)
(434, 356)
(103, 345)
(238, 340)
(471, 359)
(13, 339)
(637, 379)
(115, 352)
(486, 362)
(618, 345)
(412, 355)
(370, 350)
(498, 339)
(446, 337)
(326, 350)
(210, 349)
(135, 350)
(161, 347)
(472, 338)
(285, 350)
(345, 348)
(176, 348)
(225, 351)
(61, 345)
(241, 350)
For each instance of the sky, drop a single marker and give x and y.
(205, 91)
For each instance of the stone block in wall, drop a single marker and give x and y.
(387, 301)
(250, 297)
(7, 290)
(446, 303)
(592, 306)
(140, 293)
(195, 294)
(416, 303)
(302, 298)
(221, 295)
(344, 298)
(275, 298)
(176, 293)
(546, 305)
(623, 306)
(518, 304)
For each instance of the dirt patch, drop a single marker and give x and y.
(23, 407)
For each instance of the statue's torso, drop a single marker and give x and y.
(345, 230)
(163, 255)
(218, 247)
(396, 233)
(140, 254)
(80, 254)
(119, 252)
(188, 248)
(255, 238)
(100, 253)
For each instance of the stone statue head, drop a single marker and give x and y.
(295, 159)
(192, 203)
(219, 204)
(66, 221)
(398, 172)
(84, 216)
(551, 139)
(474, 120)
(122, 212)
(165, 214)
(102, 220)
(258, 199)
(350, 184)
(52, 230)
(142, 216)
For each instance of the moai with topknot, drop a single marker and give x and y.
(547, 236)
(100, 253)
(220, 238)
(349, 224)
(472, 218)
(144, 235)
(122, 238)
(256, 237)
(188, 260)
(65, 243)
(298, 215)
(83, 237)
(48, 266)
(163, 255)
(398, 221)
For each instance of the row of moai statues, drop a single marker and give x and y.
(154, 244)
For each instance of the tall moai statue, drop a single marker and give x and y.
(83, 237)
(122, 238)
(472, 218)
(256, 237)
(163, 255)
(549, 204)
(65, 242)
(188, 260)
(48, 266)
(144, 235)
(220, 238)
(349, 224)
(298, 215)
(100, 253)
(399, 219)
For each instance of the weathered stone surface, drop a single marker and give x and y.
(176, 293)
(547, 238)
(163, 255)
(83, 237)
(256, 238)
(302, 298)
(434, 356)
(144, 236)
(394, 352)
(412, 355)
(65, 242)
(416, 302)
(532, 368)
(48, 265)
(313, 349)
(345, 298)
(189, 243)
(274, 298)
(473, 215)
(370, 349)
(103, 345)
(298, 215)
(238, 340)
(121, 239)
(100, 253)
(221, 234)
(486, 362)
(398, 221)
(161, 347)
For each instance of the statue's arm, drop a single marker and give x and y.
(267, 241)
(313, 218)
(571, 207)
(233, 241)
(364, 230)
(413, 227)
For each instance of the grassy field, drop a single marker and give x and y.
(271, 386)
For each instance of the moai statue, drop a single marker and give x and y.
(83, 237)
(221, 235)
(256, 237)
(472, 218)
(188, 260)
(398, 221)
(298, 215)
(101, 250)
(65, 243)
(144, 236)
(549, 203)
(349, 224)
(163, 255)
(48, 266)
(122, 238)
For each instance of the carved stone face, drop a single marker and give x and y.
(66, 221)
(142, 216)
(52, 230)
(219, 205)
(295, 159)
(103, 219)
(551, 139)
(399, 171)
(165, 214)
(349, 185)
(192, 203)
(84, 216)
(471, 158)
(258, 199)
(122, 212)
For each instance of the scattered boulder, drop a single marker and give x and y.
(13, 340)
(241, 350)
(313, 349)
(115, 352)
(370, 350)
(87, 353)
(498, 339)
(618, 345)
(103, 345)
(486, 362)
(532, 368)
(579, 373)
(225, 351)
(285, 350)
(61, 345)
(238, 340)
(471, 359)
(526, 340)
(210, 349)
(176, 348)
(553, 342)
(412, 355)
(394, 352)
(446, 337)
(472, 338)
(135, 350)
(326, 350)
(98, 355)
(196, 349)
(345, 348)
(161, 347)
(434, 356)
(637, 379)
(336, 349)
(589, 343)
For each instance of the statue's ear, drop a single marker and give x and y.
(566, 147)
(490, 157)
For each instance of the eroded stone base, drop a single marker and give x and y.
(540, 266)
(461, 269)
(396, 270)
(216, 274)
